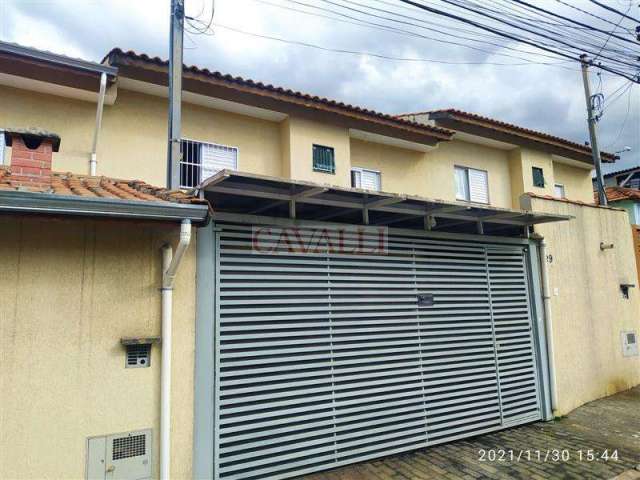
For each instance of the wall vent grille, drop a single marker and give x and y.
(130, 446)
(138, 355)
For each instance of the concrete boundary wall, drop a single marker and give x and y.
(588, 307)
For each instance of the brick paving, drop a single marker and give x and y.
(610, 424)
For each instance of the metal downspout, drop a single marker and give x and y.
(93, 161)
(548, 322)
(170, 264)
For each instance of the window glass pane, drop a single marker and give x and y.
(538, 177)
(478, 186)
(559, 190)
(637, 220)
(356, 179)
(462, 184)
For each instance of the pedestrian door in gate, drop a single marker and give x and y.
(327, 358)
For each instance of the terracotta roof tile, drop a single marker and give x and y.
(616, 194)
(572, 202)
(511, 128)
(70, 184)
(120, 57)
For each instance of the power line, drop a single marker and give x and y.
(510, 36)
(415, 34)
(368, 54)
(590, 27)
(624, 122)
(589, 13)
(611, 9)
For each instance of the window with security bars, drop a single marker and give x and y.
(324, 159)
(201, 160)
(538, 177)
(129, 446)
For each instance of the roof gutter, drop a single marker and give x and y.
(58, 59)
(52, 204)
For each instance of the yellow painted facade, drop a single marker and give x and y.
(132, 145)
(589, 311)
(68, 296)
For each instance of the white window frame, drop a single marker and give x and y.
(214, 144)
(637, 209)
(468, 185)
(369, 170)
(555, 190)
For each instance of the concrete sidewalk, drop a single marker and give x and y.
(600, 440)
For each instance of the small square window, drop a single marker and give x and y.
(324, 159)
(538, 177)
(559, 190)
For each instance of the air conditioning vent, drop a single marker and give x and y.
(138, 355)
(130, 446)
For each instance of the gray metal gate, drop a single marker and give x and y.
(324, 359)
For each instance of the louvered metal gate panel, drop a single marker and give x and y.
(459, 360)
(514, 336)
(324, 359)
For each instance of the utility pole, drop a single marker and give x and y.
(175, 93)
(591, 119)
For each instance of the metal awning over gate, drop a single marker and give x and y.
(250, 194)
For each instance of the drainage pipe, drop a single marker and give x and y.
(548, 322)
(170, 263)
(93, 161)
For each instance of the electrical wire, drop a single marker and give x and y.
(513, 37)
(361, 53)
(611, 9)
(624, 122)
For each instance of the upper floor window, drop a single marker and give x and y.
(365, 178)
(324, 159)
(472, 185)
(538, 177)
(202, 160)
(559, 190)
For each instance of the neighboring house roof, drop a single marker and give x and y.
(615, 173)
(100, 196)
(41, 65)
(617, 194)
(458, 119)
(241, 90)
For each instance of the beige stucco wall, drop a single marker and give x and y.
(589, 311)
(577, 181)
(302, 135)
(70, 290)
(431, 174)
(132, 143)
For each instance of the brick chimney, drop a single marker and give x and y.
(31, 154)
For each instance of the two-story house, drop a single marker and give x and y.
(368, 284)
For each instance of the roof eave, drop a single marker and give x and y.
(204, 82)
(456, 123)
(16, 202)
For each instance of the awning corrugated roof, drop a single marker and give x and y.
(251, 194)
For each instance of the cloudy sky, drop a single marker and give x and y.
(422, 73)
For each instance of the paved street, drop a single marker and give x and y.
(611, 424)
